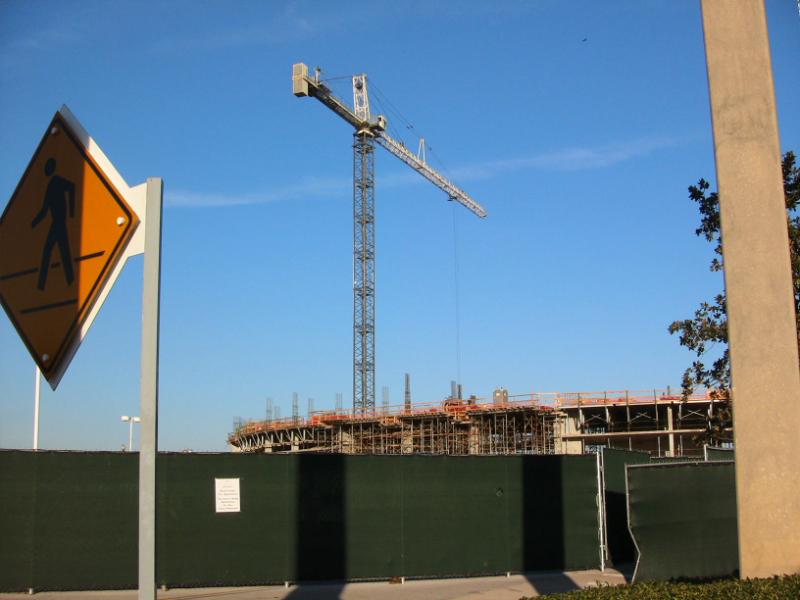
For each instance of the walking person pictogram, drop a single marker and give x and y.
(60, 192)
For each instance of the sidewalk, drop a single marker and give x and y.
(494, 588)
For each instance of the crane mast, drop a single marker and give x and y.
(368, 132)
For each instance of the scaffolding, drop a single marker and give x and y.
(536, 423)
(521, 425)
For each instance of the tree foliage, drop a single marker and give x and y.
(709, 326)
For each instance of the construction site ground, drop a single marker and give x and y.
(495, 588)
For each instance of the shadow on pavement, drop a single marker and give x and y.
(553, 582)
(626, 569)
(320, 551)
(317, 591)
(543, 525)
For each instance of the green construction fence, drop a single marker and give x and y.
(683, 520)
(715, 453)
(69, 519)
(620, 548)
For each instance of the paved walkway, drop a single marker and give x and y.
(494, 588)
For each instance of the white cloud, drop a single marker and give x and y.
(309, 188)
(45, 38)
(17, 52)
(291, 25)
(579, 158)
(301, 20)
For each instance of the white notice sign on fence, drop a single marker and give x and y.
(227, 495)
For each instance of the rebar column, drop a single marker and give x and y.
(407, 398)
(363, 273)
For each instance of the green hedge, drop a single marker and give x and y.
(776, 588)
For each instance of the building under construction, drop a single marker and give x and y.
(657, 421)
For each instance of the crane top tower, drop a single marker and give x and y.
(369, 130)
(361, 120)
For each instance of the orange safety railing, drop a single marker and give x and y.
(450, 406)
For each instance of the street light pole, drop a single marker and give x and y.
(131, 421)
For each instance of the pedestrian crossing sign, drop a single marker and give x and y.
(62, 233)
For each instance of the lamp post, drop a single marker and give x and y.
(131, 420)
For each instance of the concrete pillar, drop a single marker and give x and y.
(474, 438)
(570, 425)
(761, 326)
(407, 438)
(347, 442)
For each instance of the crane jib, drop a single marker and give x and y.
(423, 169)
(307, 86)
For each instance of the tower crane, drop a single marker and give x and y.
(369, 130)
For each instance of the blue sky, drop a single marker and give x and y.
(581, 151)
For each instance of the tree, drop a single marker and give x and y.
(709, 326)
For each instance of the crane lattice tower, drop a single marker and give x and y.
(369, 131)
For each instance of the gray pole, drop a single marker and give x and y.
(151, 297)
(758, 282)
(37, 395)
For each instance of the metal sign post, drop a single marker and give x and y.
(37, 395)
(151, 298)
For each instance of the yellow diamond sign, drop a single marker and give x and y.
(61, 234)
